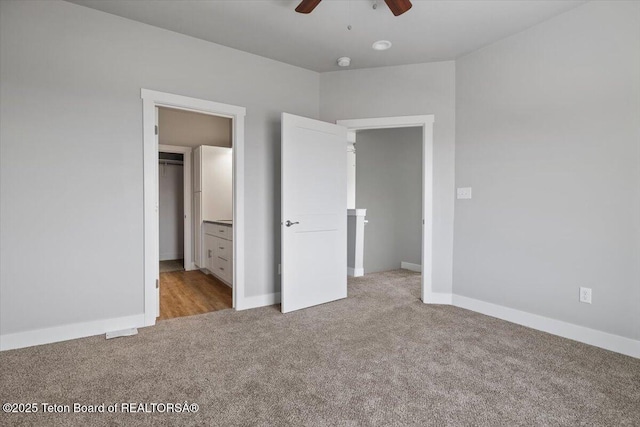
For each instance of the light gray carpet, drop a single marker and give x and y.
(171, 265)
(379, 357)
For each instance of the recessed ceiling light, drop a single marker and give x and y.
(381, 45)
(344, 61)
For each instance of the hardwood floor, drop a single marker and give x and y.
(185, 293)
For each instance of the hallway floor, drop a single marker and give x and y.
(185, 293)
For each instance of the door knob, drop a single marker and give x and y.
(289, 223)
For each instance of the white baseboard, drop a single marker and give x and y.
(355, 272)
(582, 334)
(437, 298)
(69, 332)
(257, 301)
(411, 266)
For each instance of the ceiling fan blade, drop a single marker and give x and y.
(398, 7)
(307, 6)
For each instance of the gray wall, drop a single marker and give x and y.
(402, 91)
(71, 154)
(548, 136)
(389, 186)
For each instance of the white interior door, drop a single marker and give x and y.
(314, 213)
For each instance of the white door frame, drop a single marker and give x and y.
(186, 179)
(426, 123)
(150, 100)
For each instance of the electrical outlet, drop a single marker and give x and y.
(464, 193)
(585, 295)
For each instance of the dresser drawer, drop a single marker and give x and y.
(219, 230)
(223, 269)
(223, 248)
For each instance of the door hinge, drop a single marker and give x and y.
(156, 129)
(157, 283)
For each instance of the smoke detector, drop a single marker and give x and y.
(344, 61)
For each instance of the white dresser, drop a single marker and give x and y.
(218, 249)
(212, 193)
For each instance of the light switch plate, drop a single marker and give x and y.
(464, 193)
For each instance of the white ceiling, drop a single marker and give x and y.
(430, 31)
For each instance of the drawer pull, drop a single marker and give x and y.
(221, 230)
(210, 253)
(220, 247)
(221, 268)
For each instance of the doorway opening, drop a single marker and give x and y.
(384, 200)
(194, 154)
(171, 211)
(423, 125)
(193, 200)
